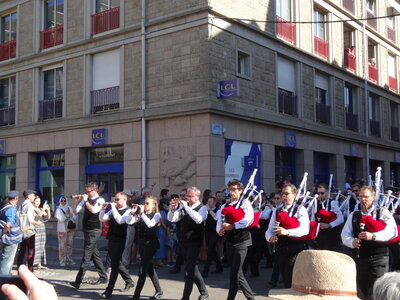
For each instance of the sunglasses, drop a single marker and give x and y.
(63, 200)
(277, 198)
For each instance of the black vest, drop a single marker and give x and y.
(144, 233)
(210, 222)
(191, 232)
(90, 221)
(117, 231)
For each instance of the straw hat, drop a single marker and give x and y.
(321, 274)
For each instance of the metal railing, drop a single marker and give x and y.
(50, 108)
(372, 72)
(52, 36)
(351, 121)
(350, 60)
(323, 113)
(286, 30)
(105, 20)
(287, 102)
(7, 116)
(104, 99)
(393, 83)
(8, 50)
(321, 47)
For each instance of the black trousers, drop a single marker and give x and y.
(147, 251)
(91, 253)
(236, 276)
(190, 253)
(368, 271)
(286, 258)
(115, 249)
(212, 239)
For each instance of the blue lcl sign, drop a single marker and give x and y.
(228, 88)
(99, 137)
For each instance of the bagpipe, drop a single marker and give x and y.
(283, 219)
(234, 213)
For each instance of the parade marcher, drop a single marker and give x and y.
(330, 219)
(8, 214)
(91, 204)
(147, 217)
(116, 213)
(192, 215)
(238, 237)
(363, 232)
(212, 238)
(28, 243)
(287, 247)
(130, 235)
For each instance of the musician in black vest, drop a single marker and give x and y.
(146, 217)
(212, 238)
(116, 214)
(329, 235)
(282, 234)
(91, 204)
(371, 256)
(238, 238)
(192, 215)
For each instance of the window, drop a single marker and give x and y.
(392, 71)
(53, 28)
(287, 99)
(322, 103)
(284, 9)
(7, 174)
(371, 13)
(351, 107)
(285, 163)
(103, 5)
(106, 16)
(374, 115)
(372, 61)
(8, 36)
(390, 23)
(349, 5)
(370, 5)
(321, 45)
(50, 106)
(394, 121)
(7, 101)
(106, 81)
(349, 45)
(284, 28)
(243, 64)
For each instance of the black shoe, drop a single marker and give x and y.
(175, 271)
(203, 297)
(105, 296)
(100, 281)
(74, 284)
(157, 295)
(128, 286)
(272, 284)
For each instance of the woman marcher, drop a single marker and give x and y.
(147, 218)
(64, 214)
(42, 214)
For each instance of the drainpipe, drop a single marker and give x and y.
(143, 93)
(366, 99)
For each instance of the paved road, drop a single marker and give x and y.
(172, 285)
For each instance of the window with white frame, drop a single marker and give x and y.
(8, 27)
(371, 5)
(103, 5)
(284, 9)
(392, 66)
(320, 19)
(243, 64)
(53, 11)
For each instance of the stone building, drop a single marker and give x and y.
(175, 93)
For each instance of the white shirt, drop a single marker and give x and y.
(98, 204)
(389, 232)
(120, 219)
(131, 219)
(302, 217)
(243, 223)
(198, 217)
(266, 213)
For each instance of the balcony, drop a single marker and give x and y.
(375, 128)
(286, 30)
(323, 113)
(371, 19)
(7, 50)
(105, 20)
(7, 116)
(391, 34)
(349, 5)
(394, 133)
(350, 60)
(51, 37)
(372, 72)
(104, 99)
(287, 102)
(351, 121)
(50, 108)
(393, 83)
(321, 47)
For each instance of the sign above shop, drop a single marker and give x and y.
(228, 88)
(99, 137)
(290, 139)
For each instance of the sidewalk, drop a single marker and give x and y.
(172, 284)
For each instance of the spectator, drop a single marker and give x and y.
(387, 287)
(42, 215)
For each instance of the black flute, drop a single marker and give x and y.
(362, 226)
(273, 250)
